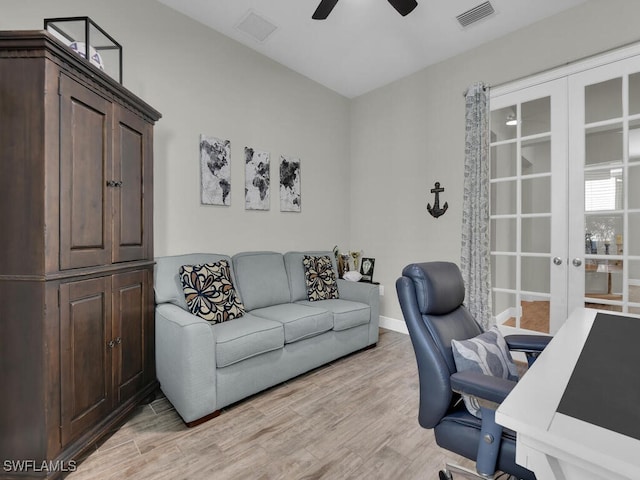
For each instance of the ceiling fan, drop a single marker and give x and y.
(404, 7)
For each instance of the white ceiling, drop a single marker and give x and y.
(365, 44)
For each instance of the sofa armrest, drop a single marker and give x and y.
(363, 292)
(186, 361)
(358, 291)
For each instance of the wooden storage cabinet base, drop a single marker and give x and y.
(103, 327)
(76, 255)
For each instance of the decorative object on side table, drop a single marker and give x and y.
(343, 264)
(78, 32)
(352, 276)
(366, 269)
(436, 211)
(356, 258)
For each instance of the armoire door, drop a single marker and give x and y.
(133, 176)
(85, 356)
(85, 153)
(131, 309)
(529, 207)
(604, 132)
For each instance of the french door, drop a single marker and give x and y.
(529, 206)
(604, 214)
(565, 195)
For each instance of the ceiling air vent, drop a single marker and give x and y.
(475, 14)
(256, 26)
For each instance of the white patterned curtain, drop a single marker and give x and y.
(475, 261)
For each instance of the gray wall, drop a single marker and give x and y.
(367, 164)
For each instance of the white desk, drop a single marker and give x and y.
(557, 446)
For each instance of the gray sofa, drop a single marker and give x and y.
(203, 367)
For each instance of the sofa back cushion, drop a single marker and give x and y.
(295, 272)
(167, 284)
(261, 279)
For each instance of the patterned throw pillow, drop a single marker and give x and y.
(209, 291)
(320, 278)
(488, 354)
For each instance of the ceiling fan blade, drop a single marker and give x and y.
(324, 9)
(404, 7)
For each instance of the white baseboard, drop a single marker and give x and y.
(393, 324)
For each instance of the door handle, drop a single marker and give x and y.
(557, 261)
(576, 262)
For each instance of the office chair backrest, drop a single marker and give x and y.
(431, 296)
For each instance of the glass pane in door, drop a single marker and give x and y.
(603, 144)
(536, 156)
(535, 234)
(634, 234)
(634, 93)
(535, 195)
(603, 100)
(504, 197)
(634, 287)
(503, 160)
(536, 116)
(503, 234)
(503, 122)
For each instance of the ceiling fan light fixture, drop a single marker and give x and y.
(324, 9)
(403, 7)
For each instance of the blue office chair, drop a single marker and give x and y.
(431, 296)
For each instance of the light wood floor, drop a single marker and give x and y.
(535, 316)
(353, 419)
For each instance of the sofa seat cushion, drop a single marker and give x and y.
(246, 337)
(346, 313)
(299, 321)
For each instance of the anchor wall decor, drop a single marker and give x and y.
(436, 211)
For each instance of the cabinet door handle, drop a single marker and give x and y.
(111, 344)
(118, 341)
(114, 183)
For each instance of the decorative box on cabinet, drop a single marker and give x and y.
(76, 255)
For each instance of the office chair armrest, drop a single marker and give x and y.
(527, 343)
(483, 387)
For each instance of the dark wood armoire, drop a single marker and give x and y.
(76, 255)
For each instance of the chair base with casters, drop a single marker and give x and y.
(450, 469)
(431, 296)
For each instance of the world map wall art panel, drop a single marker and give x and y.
(257, 179)
(289, 184)
(215, 171)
